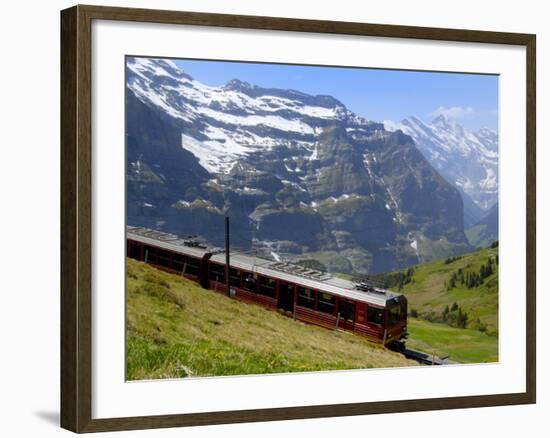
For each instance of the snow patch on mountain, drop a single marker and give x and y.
(236, 120)
(297, 173)
(467, 159)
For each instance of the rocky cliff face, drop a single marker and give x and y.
(299, 175)
(467, 159)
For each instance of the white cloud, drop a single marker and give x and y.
(453, 112)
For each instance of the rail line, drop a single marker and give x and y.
(423, 357)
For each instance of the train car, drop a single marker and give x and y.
(305, 294)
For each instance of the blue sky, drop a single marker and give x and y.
(471, 100)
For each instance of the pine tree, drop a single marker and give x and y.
(452, 282)
(462, 318)
(445, 313)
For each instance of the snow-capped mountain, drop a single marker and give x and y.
(299, 175)
(467, 159)
(236, 120)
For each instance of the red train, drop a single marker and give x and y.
(306, 294)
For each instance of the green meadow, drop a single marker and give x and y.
(177, 329)
(449, 316)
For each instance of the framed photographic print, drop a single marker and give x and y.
(268, 218)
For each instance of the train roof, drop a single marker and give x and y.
(285, 271)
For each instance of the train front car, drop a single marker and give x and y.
(396, 321)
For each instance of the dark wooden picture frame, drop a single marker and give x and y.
(76, 217)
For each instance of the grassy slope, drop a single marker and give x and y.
(475, 236)
(428, 294)
(463, 345)
(177, 329)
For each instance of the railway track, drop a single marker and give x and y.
(421, 356)
(425, 358)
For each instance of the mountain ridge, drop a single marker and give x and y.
(467, 159)
(296, 173)
(485, 231)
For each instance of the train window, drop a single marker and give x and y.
(267, 286)
(163, 258)
(306, 297)
(191, 266)
(346, 309)
(326, 303)
(217, 273)
(375, 316)
(403, 305)
(135, 251)
(151, 255)
(249, 282)
(177, 262)
(234, 277)
(394, 315)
